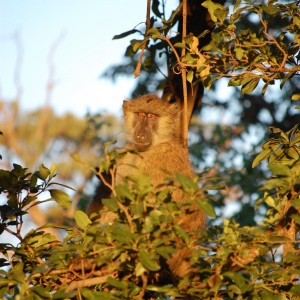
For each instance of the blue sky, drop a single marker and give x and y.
(85, 49)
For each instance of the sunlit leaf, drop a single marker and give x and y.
(280, 169)
(239, 53)
(270, 201)
(154, 32)
(136, 44)
(190, 76)
(205, 206)
(188, 184)
(81, 219)
(53, 170)
(124, 191)
(43, 172)
(296, 203)
(139, 269)
(216, 11)
(291, 152)
(250, 86)
(62, 198)
(111, 204)
(117, 283)
(295, 97)
(261, 156)
(148, 260)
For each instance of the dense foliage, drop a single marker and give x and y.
(124, 259)
(250, 45)
(252, 256)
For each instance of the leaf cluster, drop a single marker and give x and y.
(22, 190)
(126, 257)
(281, 190)
(247, 56)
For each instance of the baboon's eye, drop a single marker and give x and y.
(152, 116)
(141, 114)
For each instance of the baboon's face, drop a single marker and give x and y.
(144, 128)
(149, 121)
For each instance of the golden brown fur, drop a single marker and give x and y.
(164, 154)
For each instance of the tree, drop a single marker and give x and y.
(124, 259)
(252, 42)
(41, 136)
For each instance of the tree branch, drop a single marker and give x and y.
(183, 76)
(139, 64)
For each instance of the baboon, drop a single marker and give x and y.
(150, 124)
(151, 129)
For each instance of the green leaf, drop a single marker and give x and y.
(62, 198)
(148, 63)
(139, 269)
(188, 184)
(274, 183)
(155, 216)
(250, 86)
(154, 33)
(270, 201)
(216, 11)
(285, 78)
(239, 52)
(165, 251)
(292, 153)
(280, 169)
(137, 209)
(40, 239)
(182, 233)
(296, 140)
(53, 169)
(18, 273)
(190, 76)
(117, 283)
(295, 290)
(123, 235)
(295, 97)
(261, 156)
(265, 87)
(204, 205)
(43, 172)
(124, 34)
(236, 277)
(81, 219)
(277, 155)
(276, 130)
(111, 204)
(296, 203)
(136, 44)
(296, 218)
(179, 45)
(123, 191)
(155, 8)
(148, 260)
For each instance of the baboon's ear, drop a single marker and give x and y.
(125, 104)
(174, 109)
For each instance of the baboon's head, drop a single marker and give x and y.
(149, 121)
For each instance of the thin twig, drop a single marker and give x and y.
(139, 64)
(183, 76)
(105, 182)
(17, 235)
(111, 186)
